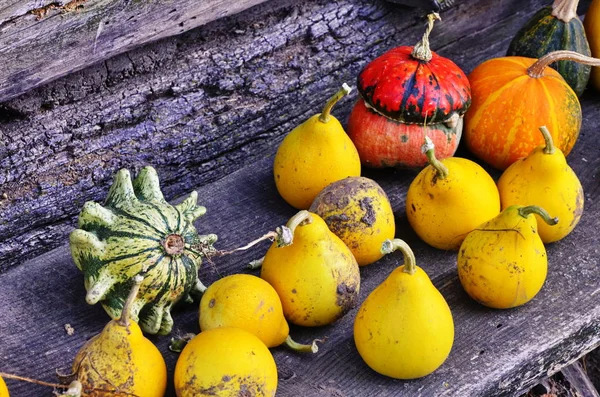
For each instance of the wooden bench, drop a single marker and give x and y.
(208, 108)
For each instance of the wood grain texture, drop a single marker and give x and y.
(206, 103)
(43, 40)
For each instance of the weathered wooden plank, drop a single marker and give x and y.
(43, 40)
(203, 104)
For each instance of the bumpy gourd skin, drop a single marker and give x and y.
(443, 211)
(227, 362)
(503, 263)
(358, 211)
(3, 389)
(316, 277)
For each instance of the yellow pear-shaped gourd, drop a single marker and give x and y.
(358, 211)
(121, 359)
(3, 388)
(248, 302)
(225, 362)
(404, 328)
(314, 154)
(545, 179)
(503, 264)
(316, 277)
(449, 198)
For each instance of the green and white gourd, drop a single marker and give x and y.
(138, 232)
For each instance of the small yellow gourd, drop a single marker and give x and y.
(315, 154)
(3, 388)
(544, 178)
(503, 263)
(316, 277)
(404, 328)
(248, 302)
(358, 211)
(449, 198)
(227, 362)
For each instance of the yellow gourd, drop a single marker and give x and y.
(248, 302)
(226, 362)
(358, 211)
(3, 388)
(315, 154)
(121, 359)
(591, 23)
(449, 198)
(545, 179)
(503, 263)
(316, 277)
(404, 328)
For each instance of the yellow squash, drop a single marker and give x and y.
(316, 277)
(545, 179)
(358, 211)
(248, 302)
(225, 362)
(404, 328)
(591, 24)
(449, 198)
(3, 388)
(503, 263)
(314, 154)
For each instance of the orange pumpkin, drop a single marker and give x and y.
(511, 98)
(592, 30)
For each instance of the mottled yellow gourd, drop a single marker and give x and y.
(247, 302)
(503, 264)
(358, 211)
(449, 198)
(404, 328)
(316, 277)
(545, 179)
(3, 388)
(315, 154)
(225, 362)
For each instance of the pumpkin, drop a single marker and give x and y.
(407, 93)
(512, 97)
(551, 29)
(138, 232)
(592, 29)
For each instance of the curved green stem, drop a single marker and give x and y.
(534, 209)
(345, 90)
(410, 262)
(125, 313)
(550, 148)
(429, 149)
(299, 347)
(421, 50)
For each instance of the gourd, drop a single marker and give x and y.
(449, 198)
(224, 362)
(544, 178)
(503, 264)
(315, 154)
(404, 328)
(316, 277)
(138, 232)
(3, 388)
(401, 91)
(120, 359)
(248, 302)
(591, 24)
(357, 210)
(551, 29)
(512, 97)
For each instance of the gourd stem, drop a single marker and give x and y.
(550, 148)
(299, 347)
(301, 218)
(429, 149)
(59, 386)
(410, 262)
(137, 282)
(256, 263)
(537, 69)
(534, 209)
(421, 50)
(565, 10)
(345, 90)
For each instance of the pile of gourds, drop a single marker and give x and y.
(140, 255)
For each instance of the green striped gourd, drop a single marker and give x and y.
(138, 232)
(554, 28)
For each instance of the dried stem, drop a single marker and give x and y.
(537, 69)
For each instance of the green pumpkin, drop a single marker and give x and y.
(138, 232)
(544, 33)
